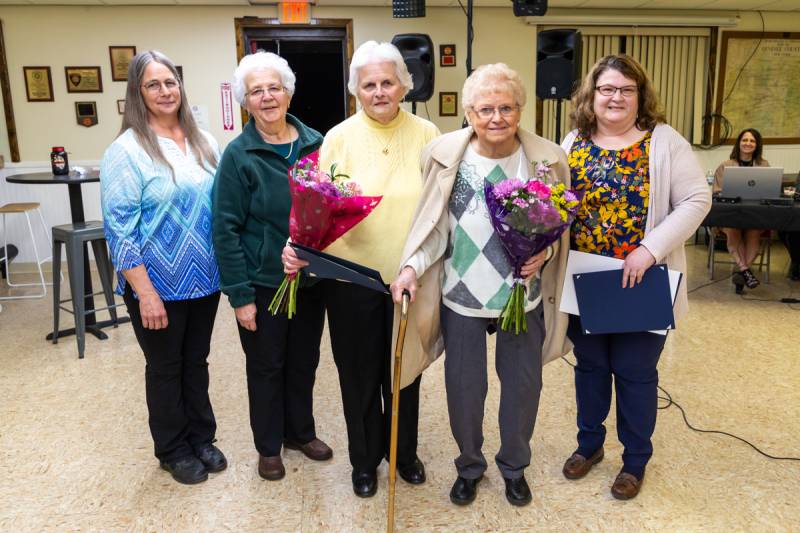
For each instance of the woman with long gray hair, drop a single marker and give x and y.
(156, 181)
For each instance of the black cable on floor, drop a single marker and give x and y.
(690, 291)
(671, 402)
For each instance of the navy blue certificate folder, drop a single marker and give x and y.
(324, 265)
(606, 307)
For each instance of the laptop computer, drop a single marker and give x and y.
(752, 183)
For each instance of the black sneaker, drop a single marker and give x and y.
(750, 279)
(212, 458)
(187, 470)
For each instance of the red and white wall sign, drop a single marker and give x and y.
(227, 106)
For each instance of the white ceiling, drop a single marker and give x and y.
(742, 5)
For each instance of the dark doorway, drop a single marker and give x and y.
(319, 66)
(319, 57)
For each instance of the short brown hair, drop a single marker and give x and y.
(649, 114)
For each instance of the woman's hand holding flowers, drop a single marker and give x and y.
(533, 265)
(291, 263)
(407, 280)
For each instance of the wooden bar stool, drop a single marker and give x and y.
(25, 209)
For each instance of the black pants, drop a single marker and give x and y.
(176, 374)
(282, 358)
(360, 322)
(791, 239)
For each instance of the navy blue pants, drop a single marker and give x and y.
(631, 358)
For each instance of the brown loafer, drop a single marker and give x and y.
(316, 450)
(271, 468)
(578, 466)
(626, 486)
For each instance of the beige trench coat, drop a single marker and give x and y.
(440, 160)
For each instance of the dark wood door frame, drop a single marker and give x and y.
(247, 23)
(5, 87)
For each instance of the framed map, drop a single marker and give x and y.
(759, 85)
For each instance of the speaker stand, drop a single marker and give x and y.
(557, 140)
(470, 37)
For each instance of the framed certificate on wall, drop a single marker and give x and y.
(448, 104)
(38, 84)
(83, 79)
(121, 57)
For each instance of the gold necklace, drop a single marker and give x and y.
(385, 150)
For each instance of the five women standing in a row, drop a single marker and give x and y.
(643, 195)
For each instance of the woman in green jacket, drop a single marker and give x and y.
(250, 226)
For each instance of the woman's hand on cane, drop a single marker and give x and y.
(406, 281)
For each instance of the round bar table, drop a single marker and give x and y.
(73, 183)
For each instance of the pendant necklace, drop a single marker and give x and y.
(385, 150)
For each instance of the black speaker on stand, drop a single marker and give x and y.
(558, 64)
(417, 52)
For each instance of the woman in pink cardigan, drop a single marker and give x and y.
(644, 194)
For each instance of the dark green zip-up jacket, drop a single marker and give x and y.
(250, 206)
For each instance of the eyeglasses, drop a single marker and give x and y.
(488, 112)
(610, 90)
(154, 86)
(259, 92)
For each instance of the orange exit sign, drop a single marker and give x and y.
(294, 12)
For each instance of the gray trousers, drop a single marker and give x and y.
(518, 362)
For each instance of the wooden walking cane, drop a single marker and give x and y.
(398, 360)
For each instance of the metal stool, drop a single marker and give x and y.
(25, 209)
(74, 236)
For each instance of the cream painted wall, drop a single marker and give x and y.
(202, 40)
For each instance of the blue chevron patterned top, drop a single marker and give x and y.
(155, 221)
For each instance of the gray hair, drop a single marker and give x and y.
(374, 52)
(257, 62)
(492, 78)
(136, 114)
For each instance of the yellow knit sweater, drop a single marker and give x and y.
(384, 160)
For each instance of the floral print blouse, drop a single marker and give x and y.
(615, 188)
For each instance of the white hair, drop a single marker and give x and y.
(374, 52)
(493, 78)
(261, 61)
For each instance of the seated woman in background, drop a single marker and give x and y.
(743, 244)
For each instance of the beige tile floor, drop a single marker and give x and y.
(76, 455)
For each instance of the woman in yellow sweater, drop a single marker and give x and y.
(380, 148)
